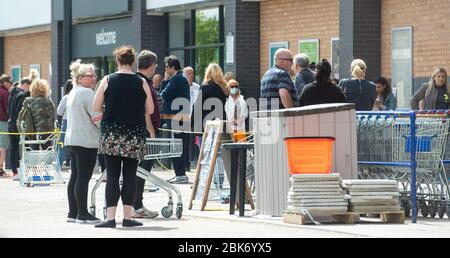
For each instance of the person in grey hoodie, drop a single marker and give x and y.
(434, 94)
(82, 140)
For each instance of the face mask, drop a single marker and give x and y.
(234, 91)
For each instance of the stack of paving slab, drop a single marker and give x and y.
(373, 196)
(317, 194)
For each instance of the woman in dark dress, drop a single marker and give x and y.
(128, 104)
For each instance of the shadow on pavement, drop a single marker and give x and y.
(146, 229)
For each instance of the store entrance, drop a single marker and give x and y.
(103, 65)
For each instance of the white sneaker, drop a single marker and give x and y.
(143, 213)
(180, 180)
(16, 178)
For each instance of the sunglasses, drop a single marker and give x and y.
(234, 87)
(286, 59)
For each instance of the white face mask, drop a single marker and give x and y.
(234, 91)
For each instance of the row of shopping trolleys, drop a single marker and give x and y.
(384, 143)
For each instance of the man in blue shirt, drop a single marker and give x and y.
(276, 85)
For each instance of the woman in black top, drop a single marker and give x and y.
(128, 105)
(322, 91)
(358, 90)
(214, 94)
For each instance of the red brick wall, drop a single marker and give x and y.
(292, 20)
(430, 20)
(28, 49)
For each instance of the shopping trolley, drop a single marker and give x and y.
(157, 149)
(39, 163)
(384, 143)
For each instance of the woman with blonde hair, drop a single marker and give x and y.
(42, 110)
(82, 140)
(214, 94)
(434, 94)
(41, 106)
(358, 90)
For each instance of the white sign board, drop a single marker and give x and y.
(230, 48)
(402, 80)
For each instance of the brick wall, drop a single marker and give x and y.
(2, 53)
(150, 32)
(292, 20)
(431, 33)
(28, 49)
(243, 20)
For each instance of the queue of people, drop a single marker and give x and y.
(103, 121)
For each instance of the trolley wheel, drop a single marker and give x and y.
(433, 210)
(167, 212)
(424, 210)
(179, 212)
(441, 210)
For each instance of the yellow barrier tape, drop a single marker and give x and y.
(40, 133)
(57, 132)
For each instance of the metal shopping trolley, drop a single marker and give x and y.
(39, 163)
(384, 143)
(157, 149)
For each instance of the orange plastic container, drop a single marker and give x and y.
(310, 155)
(239, 136)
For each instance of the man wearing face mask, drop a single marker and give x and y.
(236, 109)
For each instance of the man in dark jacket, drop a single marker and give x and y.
(175, 90)
(16, 99)
(304, 75)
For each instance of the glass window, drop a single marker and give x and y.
(402, 65)
(198, 45)
(179, 29)
(207, 27)
(205, 56)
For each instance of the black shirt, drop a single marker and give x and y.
(313, 94)
(362, 93)
(442, 99)
(209, 92)
(125, 100)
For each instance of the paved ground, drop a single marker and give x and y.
(41, 212)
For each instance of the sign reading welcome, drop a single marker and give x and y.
(106, 38)
(101, 38)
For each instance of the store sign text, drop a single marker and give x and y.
(106, 38)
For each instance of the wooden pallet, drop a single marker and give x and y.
(343, 218)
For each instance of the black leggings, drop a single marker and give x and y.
(82, 165)
(114, 169)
